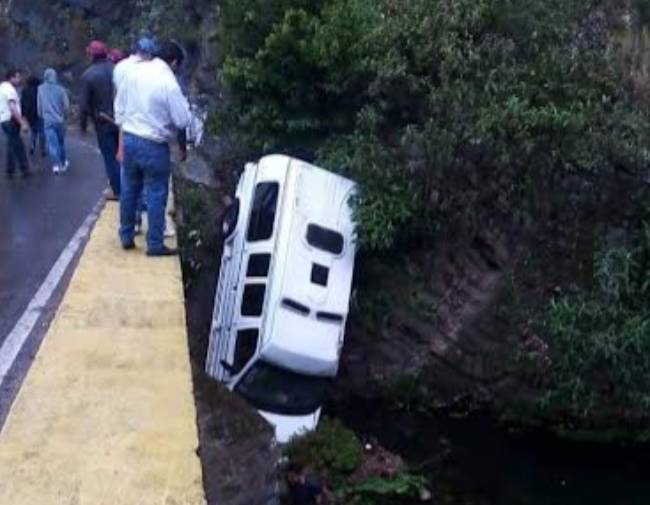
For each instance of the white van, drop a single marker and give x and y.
(284, 289)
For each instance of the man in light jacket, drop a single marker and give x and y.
(149, 108)
(53, 108)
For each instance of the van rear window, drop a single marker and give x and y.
(253, 300)
(262, 218)
(325, 239)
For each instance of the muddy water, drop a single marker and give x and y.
(481, 463)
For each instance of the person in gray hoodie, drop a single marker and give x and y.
(53, 108)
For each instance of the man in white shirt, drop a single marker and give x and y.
(149, 108)
(12, 122)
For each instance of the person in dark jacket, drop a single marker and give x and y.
(97, 105)
(28, 103)
(303, 490)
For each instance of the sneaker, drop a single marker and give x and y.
(66, 165)
(56, 169)
(110, 196)
(170, 228)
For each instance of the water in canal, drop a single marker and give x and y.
(485, 464)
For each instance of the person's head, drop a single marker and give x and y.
(146, 47)
(33, 81)
(97, 50)
(50, 76)
(116, 55)
(14, 76)
(172, 54)
(295, 473)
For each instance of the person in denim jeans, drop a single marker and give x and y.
(53, 108)
(149, 108)
(96, 101)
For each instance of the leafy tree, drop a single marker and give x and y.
(602, 338)
(446, 111)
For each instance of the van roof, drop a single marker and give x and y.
(306, 344)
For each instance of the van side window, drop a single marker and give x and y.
(253, 300)
(265, 203)
(325, 239)
(258, 265)
(245, 348)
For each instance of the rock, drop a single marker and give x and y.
(198, 170)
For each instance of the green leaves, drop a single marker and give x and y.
(333, 447)
(414, 98)
(602, 339)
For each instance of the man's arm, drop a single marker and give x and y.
(39, 103)
(179, 108)
(17, 116)
(66, 101)
(120, 103)
(85, 104)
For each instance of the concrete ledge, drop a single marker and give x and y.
(106, 415)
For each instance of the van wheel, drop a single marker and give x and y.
(230, 218)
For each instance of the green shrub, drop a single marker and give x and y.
(332, 449)
(446, 111)
(370, 492)
(601, 339)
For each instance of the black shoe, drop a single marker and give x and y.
(128, 246)
(165, 251)
(26, 174)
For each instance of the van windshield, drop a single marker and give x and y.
(279, 391)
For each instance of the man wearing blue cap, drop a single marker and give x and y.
(149, 108)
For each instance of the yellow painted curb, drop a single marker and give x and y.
(106, 414)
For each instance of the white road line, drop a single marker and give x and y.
(23, 328)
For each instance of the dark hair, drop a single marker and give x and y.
(12, 72)
(171, 51)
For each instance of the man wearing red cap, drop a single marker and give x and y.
(97, 104)
(116, 55)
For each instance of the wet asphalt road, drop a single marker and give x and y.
(38, 217)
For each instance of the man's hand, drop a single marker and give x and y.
(119, 155)
(24, 125)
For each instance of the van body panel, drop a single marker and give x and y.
(300, 306)
(287, 427)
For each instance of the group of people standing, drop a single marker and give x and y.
(137, 108)
(43, 109)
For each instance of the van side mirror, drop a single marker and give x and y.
(230, 219)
